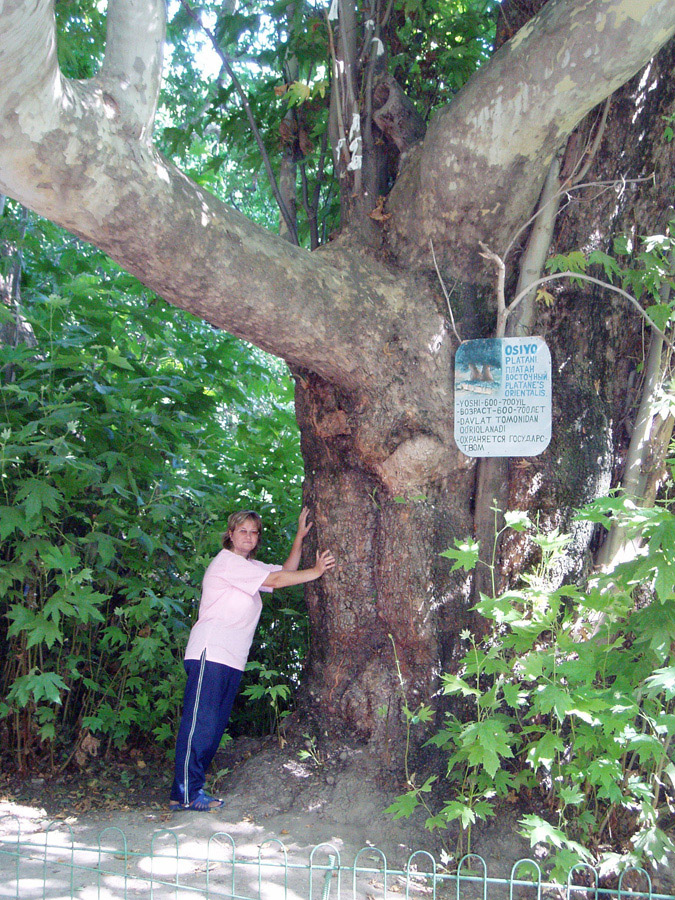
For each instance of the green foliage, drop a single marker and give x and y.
(274, 688)
(280, 53)
(127, 435)
(647, 269)
(464, 553)
(569, 698)
(82, 29)
(203, 124)
(312, 752)
(437, 46)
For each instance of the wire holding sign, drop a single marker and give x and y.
(503, 397)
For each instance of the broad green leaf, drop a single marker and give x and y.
(404, 806)
(545, 751)
(12, 519)
(37, 495)
(607, 775)
(457, 810)
(553, 698)
(485, 743)
(60, 558)
(663, 679)
(515, 696)
(608, 264)
(115, 358)
(464, 553)
(517, 519)
(453, 684)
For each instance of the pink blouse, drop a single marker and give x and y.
(229, 609)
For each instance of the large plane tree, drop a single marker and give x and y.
(370, 321)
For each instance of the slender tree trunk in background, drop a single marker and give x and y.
(288, 170)
(17, 330)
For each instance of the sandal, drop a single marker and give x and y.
(202, 802)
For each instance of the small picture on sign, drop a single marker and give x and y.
(478, 367)
(503, 396)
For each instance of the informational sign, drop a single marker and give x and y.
(503, 397)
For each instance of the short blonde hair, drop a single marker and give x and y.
(238, 518)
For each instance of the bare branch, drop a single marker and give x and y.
(502, 312)
(447, 296)
(283, 209)
(603, 284)
(589, 155)
(543, 208)
(342, 148)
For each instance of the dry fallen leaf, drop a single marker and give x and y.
(378, 214)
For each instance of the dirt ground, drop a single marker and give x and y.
(332, 794)
(272, 797)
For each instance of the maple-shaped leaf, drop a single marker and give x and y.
(486, 742)
(465, 554)
(662, 680)
(544, 751)
(545, 297)
(36, 495)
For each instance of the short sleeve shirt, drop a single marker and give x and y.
(229, 609)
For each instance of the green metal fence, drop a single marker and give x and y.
(52, 865)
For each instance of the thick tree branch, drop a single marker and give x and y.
(396, 116)
(132, 66)
(511, 118)
(68, 153)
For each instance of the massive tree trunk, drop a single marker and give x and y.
(388, 507)
(363, 322)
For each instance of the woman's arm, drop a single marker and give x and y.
(286, 577)
(293, 561)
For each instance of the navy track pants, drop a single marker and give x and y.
(209, 694)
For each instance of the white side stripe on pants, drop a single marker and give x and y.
(193, 725)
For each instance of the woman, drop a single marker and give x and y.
(219, 643)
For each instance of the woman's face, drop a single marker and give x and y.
(245, 537)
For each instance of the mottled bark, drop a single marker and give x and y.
(391, 589)
(507, 123)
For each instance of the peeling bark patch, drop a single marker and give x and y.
(111, 107)
(567, 84)
(413, 465)
(629, 9)
(333, 424)
(522, 34)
